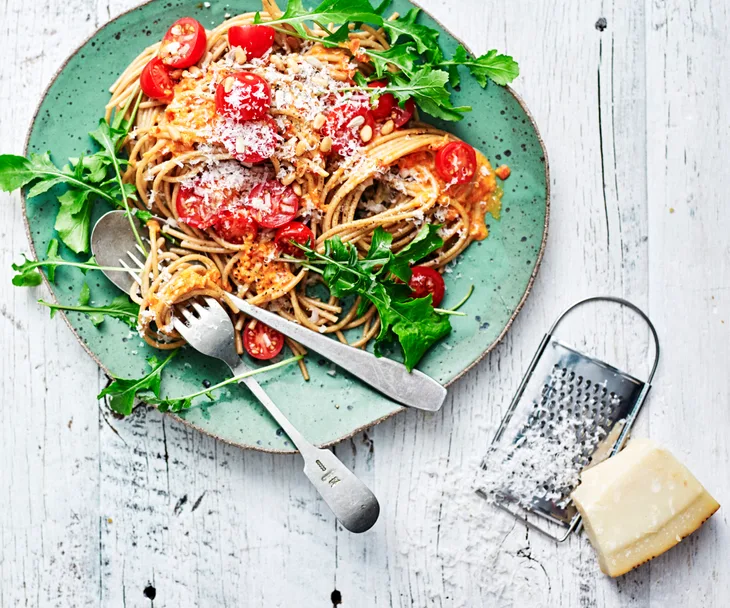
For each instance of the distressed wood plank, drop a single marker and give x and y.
(633, 116)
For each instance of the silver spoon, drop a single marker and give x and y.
(112, 240)
(210, 331)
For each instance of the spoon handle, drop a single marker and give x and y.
(352, 502)
(414, 389)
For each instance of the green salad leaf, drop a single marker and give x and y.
(381, 278)
(122, 392)
(121, 308)
(501, 69)
(87, 179)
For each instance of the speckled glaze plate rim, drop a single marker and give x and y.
(355, 431)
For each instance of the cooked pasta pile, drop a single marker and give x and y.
(317, 156)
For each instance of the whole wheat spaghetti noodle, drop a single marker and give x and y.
(192, 167)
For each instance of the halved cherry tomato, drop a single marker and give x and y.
(248, 96)
(402, 115)
(196, 210)
(272, 204)
(184, 44)
(156, 82)
(234, 225)
(343, 125)
(294, 231)
(261, 341)
(252, 141)
(254, 39)
(425, 280)
(456, 162)
(387, 108)
(385, 103)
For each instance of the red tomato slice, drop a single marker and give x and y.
(261, 341)
(234, 225)
(401, 116)
(252, 141)
(343, 125)
(387, 108)
(384, 105)
(184, 44)
(196, 210)
(272, 204)
(156, 82)
(248, 96)
(254, 39)
(294, 231)
(425, 280)
(456, 162)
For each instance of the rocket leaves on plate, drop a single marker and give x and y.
(502, 69)
(412, 66)
(119, 308)
(87, 179)
(340, 12)
(122, 392)
(380, 278)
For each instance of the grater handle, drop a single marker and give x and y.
(622, 302)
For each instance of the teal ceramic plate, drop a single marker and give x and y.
(332, 405)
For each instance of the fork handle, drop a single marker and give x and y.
(352, 502)
(414, 389)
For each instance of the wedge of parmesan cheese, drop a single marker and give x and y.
(639, 504)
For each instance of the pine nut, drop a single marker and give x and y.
(367, 133)
(239, 54)
(318, 122)
(301, 147)
(314, 62)
(277, 61)
(240, 145)
(297, 188)
(356, 122)
(194, 71)
(387, 128)
(228, 84)
(326, 144)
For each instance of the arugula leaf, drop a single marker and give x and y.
(415, 323)
(425, 38)
(340, 12)
(428, 89)
(177, 404)
(143, 215)
(417, 326)
(501, 69)
(84, 297)
(86, 179)
(120, 308)
(53, 257)
(425, 242)
(402, 56)
(28, 276)
(123, 391)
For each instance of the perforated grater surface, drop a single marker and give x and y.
(572, 409)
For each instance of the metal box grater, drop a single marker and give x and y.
(580, 406)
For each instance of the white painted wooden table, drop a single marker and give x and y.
(97, 512)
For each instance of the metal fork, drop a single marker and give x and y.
(112, 242)
(210, 330)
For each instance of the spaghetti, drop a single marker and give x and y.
(322, 156)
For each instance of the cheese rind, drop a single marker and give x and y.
(638, 504)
